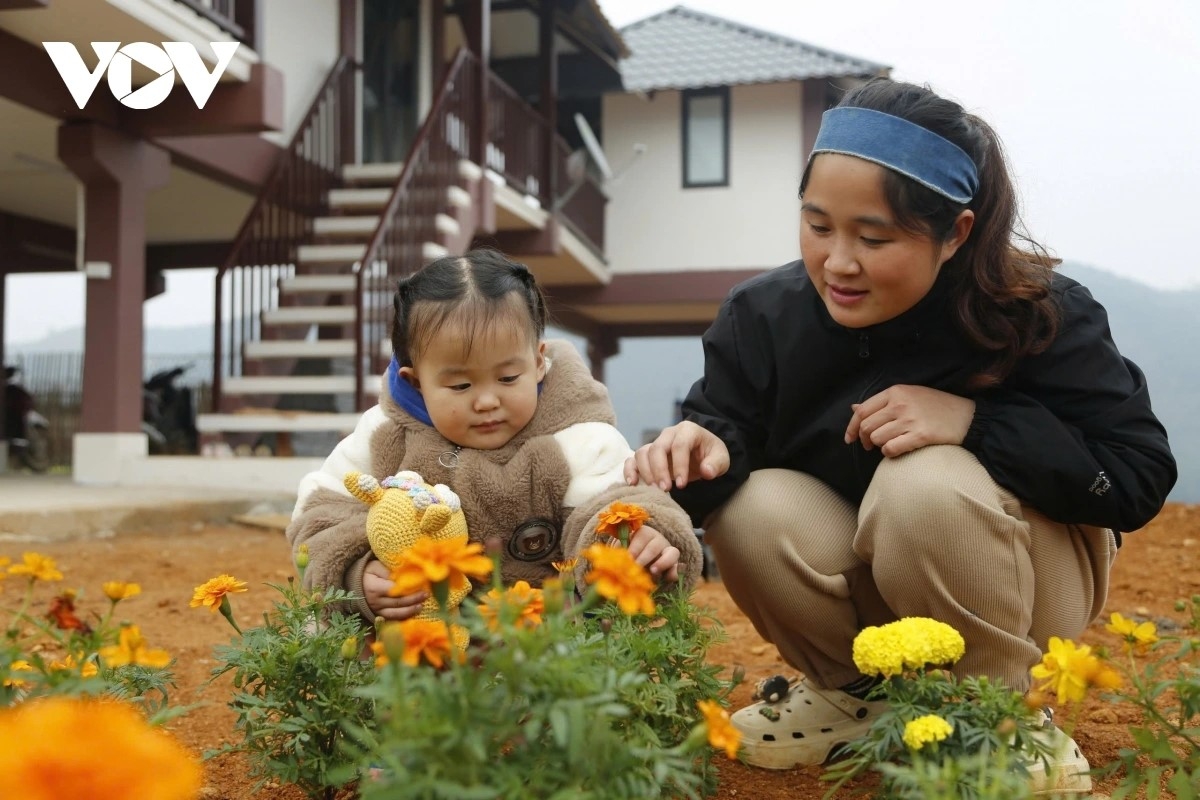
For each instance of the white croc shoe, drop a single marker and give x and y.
(800, 724)
(1064, 770)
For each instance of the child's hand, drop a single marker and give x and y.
(376, 583)
(652, 550)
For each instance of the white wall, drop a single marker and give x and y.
(300, 39)
(655, 225)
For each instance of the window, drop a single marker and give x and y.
(706, 137)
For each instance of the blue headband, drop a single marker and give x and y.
(901, 146)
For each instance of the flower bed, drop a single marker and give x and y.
(1158, 565)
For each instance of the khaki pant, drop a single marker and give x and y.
(935, 536)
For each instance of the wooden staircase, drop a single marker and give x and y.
(305, 338)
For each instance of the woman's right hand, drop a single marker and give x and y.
(682, 453)
(376, 583)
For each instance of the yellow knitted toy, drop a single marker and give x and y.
(404, 507)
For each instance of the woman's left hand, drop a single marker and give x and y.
(903, 418)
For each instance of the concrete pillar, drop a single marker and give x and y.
(601, 346)
(118, 172)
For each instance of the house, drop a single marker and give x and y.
(325, 147)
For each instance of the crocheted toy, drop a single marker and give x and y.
(404, 507)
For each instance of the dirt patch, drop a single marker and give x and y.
(1157, 565)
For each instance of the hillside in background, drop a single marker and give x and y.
(1151, 327)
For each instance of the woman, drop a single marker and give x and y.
(919, 418)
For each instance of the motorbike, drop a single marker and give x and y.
(169, 413)
(28, 431)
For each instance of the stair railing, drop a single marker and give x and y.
(410, 218)
(280, 220)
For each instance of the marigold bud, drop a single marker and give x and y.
(350, 648)
(302, 556)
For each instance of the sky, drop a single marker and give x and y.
(1097, 101)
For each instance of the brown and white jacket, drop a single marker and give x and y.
(539, 494)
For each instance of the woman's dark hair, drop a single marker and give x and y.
(1000, 277)
(476, 292)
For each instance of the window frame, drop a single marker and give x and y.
(721, 92)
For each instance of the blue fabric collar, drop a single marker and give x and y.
(901, 146)
(405, 395)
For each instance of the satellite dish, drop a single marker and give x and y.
(593, 146)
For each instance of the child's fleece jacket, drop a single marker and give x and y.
(539, 494)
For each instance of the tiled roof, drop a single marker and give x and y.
(685, 49)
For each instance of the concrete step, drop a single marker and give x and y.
(330, 253)
(469, 170)
(297, 384)
(458, 197)
(373, 199)
(298, 348)
(446, 224)
(265, 422)
(309, 315)
(318, 284)
(384, 173)
(361, 226)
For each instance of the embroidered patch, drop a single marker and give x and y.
(1101, 485)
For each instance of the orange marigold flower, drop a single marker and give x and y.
(566, 565)
(721, 733)
(131, 649)
(1137, 636)
(211, 593)
(62, 614)
(20, 665)
(120, 590)
(98, 749)
(619, 513)
(619, 577)
(426, 639)
(431, 561)
(37, 566)
(1069, 670)
(520, 596)
(87, 670)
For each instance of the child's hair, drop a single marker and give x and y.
(1000, 277)
(474, 292)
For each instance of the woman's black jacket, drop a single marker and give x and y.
(1070, 432)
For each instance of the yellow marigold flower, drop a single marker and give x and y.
(567, 565)
(425, 638)
(37, 566)
(212, 592)
(1069, 670)
(98, 749)
(120, 590)
(925, 730)
(906, 644)
(1137, 636)
(521, 596)
(431, 561)
(20, 665)
(131, 649)
(721, 733)
(68, 664)
(619, 513)
(618, 576)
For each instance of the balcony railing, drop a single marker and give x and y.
(238, 18)
(516, 150)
